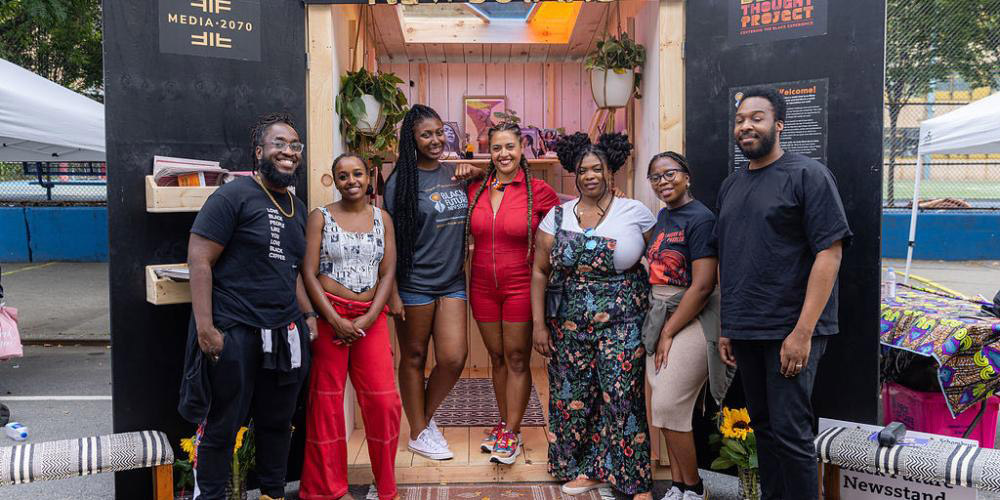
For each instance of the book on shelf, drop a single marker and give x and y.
(179, 273)
(169, 171)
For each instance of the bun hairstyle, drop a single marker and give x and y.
(611, 149)
(505, 126)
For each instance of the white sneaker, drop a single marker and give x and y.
(690, 495)
(674, 494)
(436, 433)
(426, 446)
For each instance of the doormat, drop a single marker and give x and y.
(493, 492)
(471, 403)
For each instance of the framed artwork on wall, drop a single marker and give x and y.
(455, 137)
(478, 111)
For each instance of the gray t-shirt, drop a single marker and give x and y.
(441, 210)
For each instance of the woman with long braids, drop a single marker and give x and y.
(503, 225)
(682, 326)
(589, 297)
(428, 204)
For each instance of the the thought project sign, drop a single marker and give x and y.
(756, 21)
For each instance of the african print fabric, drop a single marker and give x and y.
(964, 342)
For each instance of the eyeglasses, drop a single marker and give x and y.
(669, 175)
(296, 147)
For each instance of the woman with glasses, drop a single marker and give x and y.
(682, 328)
(589, 296)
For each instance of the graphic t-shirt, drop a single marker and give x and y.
(772, 223)
(253, 281)
(680, 237)
(626, 222)
(441, 210)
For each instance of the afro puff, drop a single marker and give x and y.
(568, 149)
(616, 147)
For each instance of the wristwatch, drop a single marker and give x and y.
(311, 314)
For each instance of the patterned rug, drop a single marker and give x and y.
(492, 492)
(471, 403)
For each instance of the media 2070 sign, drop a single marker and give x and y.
(211, 28)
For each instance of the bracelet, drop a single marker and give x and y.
(311, 314)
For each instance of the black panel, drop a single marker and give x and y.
(185, 106)
(851, 57)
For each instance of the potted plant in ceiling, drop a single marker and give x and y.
(612, 66)
(370, 106)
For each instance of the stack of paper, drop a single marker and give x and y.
(169, 171)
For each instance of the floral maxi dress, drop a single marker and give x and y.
(597, 408)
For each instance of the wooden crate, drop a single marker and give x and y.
(175, 198)
(162, 291)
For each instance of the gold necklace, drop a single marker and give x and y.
(268, 193)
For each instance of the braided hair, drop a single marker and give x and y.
(405, 217)
(677, 157)
(611, 149)
(259, 128)
(491, 172)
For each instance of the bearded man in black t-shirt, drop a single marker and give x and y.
(781, 233)
(248, 340)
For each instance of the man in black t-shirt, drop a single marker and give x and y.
(248, 340)
(781, 232)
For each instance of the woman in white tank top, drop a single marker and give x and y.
(350, 269)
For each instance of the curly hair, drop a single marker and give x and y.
(405, 216)
(611, 149)
(773, 96)
(259, 128)
(491, 173)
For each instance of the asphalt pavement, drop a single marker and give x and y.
(61, 388)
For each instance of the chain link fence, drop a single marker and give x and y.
(53, 183)
(940, 55)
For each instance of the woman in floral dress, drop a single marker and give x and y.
(588, 253)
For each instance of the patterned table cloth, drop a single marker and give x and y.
(956, 333)
(938, 460)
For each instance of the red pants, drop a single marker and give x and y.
(369, 360)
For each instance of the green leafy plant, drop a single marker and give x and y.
(350, 107)
(618, 54)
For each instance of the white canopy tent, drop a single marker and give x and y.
(43, 121)
(971, 129)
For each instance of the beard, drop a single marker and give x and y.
(275, 177)
(764, 146)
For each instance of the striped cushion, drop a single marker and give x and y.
(31, 462)
(940, 460)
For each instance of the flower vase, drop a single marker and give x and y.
(749, 484)
(234, 494)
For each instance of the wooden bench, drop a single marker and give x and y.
(30, 462)
(942, 461)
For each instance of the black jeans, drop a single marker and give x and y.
(781, 416)
(240, 387)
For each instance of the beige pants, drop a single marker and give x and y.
(676, 388)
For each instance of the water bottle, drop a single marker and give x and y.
(16, 431)
(890, 283)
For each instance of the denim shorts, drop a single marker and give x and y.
(422, 299)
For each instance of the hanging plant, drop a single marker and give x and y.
(612, 65)
(370, 106)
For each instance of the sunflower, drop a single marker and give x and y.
(735, 423)
(188, 446)
(239, 439)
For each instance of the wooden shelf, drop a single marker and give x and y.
(160, 199)
(162, 291)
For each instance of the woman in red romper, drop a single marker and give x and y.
(503, 225)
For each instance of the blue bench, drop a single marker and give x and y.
(44, 172)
